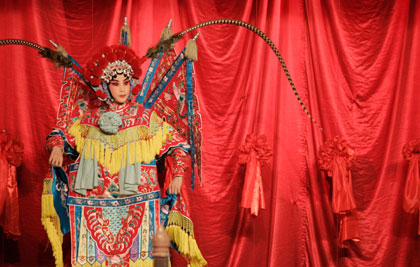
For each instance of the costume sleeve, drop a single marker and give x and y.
(180, 161)
(57, 137)
(177, 163)
(177, 160)
(53, 141)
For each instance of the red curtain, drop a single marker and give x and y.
(354, 63)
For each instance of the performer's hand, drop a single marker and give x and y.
(175, 185)
(56, 156)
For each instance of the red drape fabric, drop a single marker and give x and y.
(355, 64)
(411, 201)
(362, 79)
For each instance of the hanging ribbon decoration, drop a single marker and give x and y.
(190, 109)
(411, 202)
(335, 158)
(11, 156)
(255, 153)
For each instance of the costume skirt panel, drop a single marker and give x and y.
(113, 232)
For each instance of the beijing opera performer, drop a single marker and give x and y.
(104, 186)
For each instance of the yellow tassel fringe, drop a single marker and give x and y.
(181, 231)
(111, 151)
(51, 223)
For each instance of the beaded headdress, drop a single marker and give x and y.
(109, 62)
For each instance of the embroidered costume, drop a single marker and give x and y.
(107, 193)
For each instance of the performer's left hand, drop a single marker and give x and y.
(175, 185)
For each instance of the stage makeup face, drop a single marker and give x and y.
(120, 88)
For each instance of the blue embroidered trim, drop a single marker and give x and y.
(77, 220)
(165, 80)
(59, 184)
(190, 118)
(116, 202)
(151, 163)
(153, 230)
(170, 200)
(74, 167)
(74, 61)
(148, 78)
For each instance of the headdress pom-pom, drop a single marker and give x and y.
(97, 71)
(136, 89)
(95, 81)
(103, 62)
(101, 94)
(137, 73)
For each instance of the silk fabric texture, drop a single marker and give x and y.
(354, 63)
